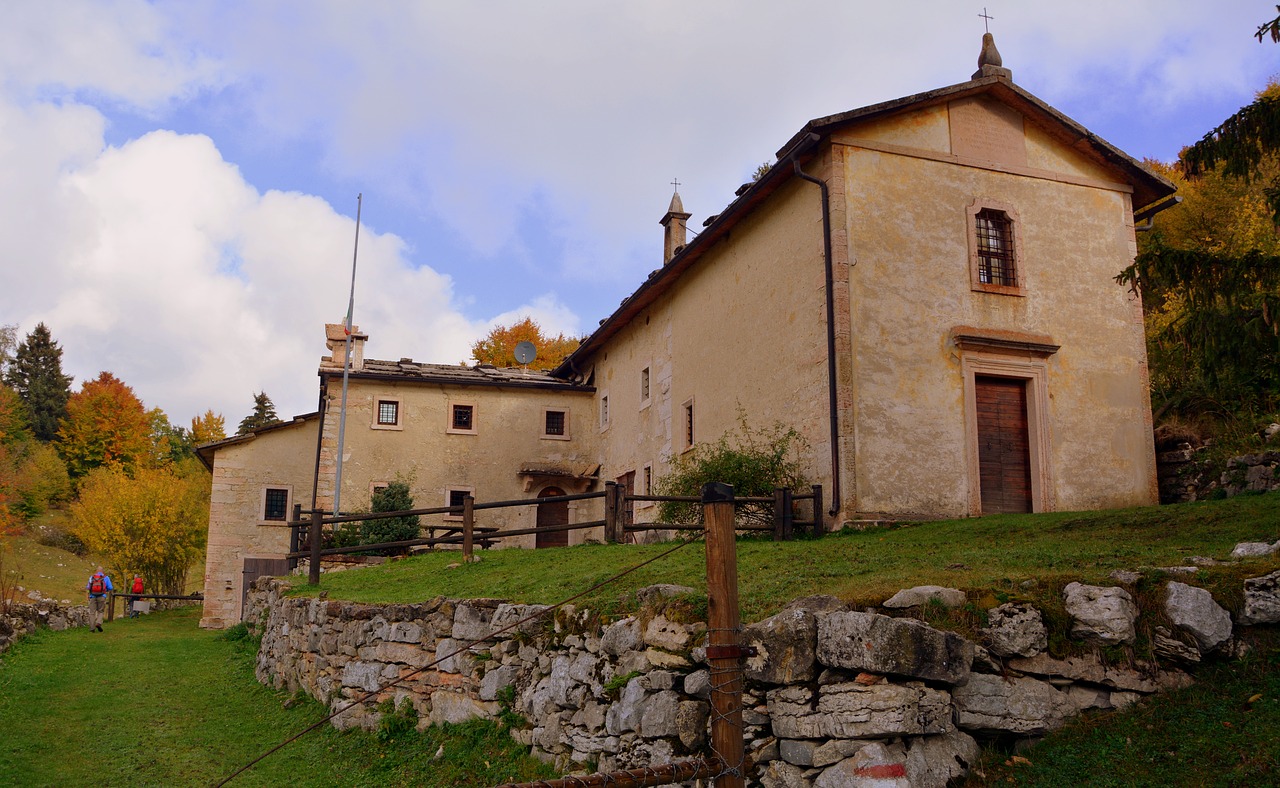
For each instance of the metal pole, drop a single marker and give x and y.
(346, 367)
(724, 654)
(468, 524)
(313, 576)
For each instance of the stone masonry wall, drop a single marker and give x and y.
(834, 697)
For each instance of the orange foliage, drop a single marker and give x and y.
(499, 345)
(106, 425)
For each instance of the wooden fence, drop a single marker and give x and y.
(308, 536)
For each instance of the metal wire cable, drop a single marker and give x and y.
(455, 652)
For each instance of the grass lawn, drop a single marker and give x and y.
(158, 701)
(991, 556)
(55, 573)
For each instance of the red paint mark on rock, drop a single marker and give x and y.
(882, 770)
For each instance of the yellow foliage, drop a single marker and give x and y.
(152, 522)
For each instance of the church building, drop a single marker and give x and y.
(923, 288)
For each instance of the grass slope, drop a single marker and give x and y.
(55, 573)
(993, 555)
(157, 701)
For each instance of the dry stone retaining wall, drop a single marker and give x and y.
(834, 697)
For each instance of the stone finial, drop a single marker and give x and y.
(989, 62)
(673, 236)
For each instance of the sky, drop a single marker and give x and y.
(181, 178)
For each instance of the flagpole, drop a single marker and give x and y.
(346, 364)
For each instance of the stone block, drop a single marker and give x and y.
(854, 711)
(1261, 600)
(1195, 611)
(786, 648)
(904, 647)
(1015, 705)
(1103, 613)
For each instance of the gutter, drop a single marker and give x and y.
(828, 266)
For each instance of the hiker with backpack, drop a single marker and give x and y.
(135, 604)
(98, 587)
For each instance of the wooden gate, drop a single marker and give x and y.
(255, 568)
(552, 513)
(1004, 449)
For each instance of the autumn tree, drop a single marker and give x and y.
(207, 428)
(498, 347)
(15, 436)
(36, 374)
(264, 413)
(152, 521)
(106, 425)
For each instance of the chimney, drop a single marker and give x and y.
(674, 229)
(335, 338)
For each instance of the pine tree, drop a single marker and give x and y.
(264, 413)
(36, 374)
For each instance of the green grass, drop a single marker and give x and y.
(55, 573)
(1219, 732)
(157, 701)
(996, 557)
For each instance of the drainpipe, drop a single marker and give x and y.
(831, 332)
(1144, 220)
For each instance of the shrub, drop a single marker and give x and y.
(395, 497)
(754, 461)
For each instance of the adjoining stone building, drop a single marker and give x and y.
(924, 288)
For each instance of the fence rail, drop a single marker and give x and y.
(618, 523)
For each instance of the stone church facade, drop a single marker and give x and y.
(924, 288)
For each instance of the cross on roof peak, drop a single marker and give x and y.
(676, 184)
(986, 19)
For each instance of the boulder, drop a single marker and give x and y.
(505, 615)
(1106, 614)
(786, 646)
(880, 644)
(853, 711)
(1091, 669)
(922, 595)
(1015, 630)
(1254, 549)
(1024, 706)
(455, 707)
(1262, 600)
(497, 680)
(473, 619)
(876, 765)
(621, 637)
(1194, 610)
(667, 635)
(780, 774)
(934, 761)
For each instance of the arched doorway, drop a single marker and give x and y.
(552, 513)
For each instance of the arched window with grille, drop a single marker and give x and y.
(994, 259)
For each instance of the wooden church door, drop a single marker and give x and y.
(1004, 449)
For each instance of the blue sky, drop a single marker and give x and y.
(183, 175)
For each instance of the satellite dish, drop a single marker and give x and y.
(526, 352)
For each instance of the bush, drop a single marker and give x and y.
(395, 497)
(754, 461)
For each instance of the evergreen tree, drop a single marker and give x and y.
(36, 374)
(264, 413)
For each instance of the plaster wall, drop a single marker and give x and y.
(282, 457)
(744, 332)
(908, 245)
(508, 436)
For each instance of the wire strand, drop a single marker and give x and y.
(455, 652)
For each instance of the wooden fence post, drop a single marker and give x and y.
(724, 654)
(788, 515)
(818, 517)
(468, 526)
(313, 577)
(778, 527)
(611, 534)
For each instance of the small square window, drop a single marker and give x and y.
(462, 418)
(454, 498)
(275, 504)
(388, 412)
(555, 422)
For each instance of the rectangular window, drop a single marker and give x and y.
(556, 425)
(996, 264)
(462, 418)
(453, 497)
(388, 412)
(604, 411)
(275, 504)
(644, 385)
